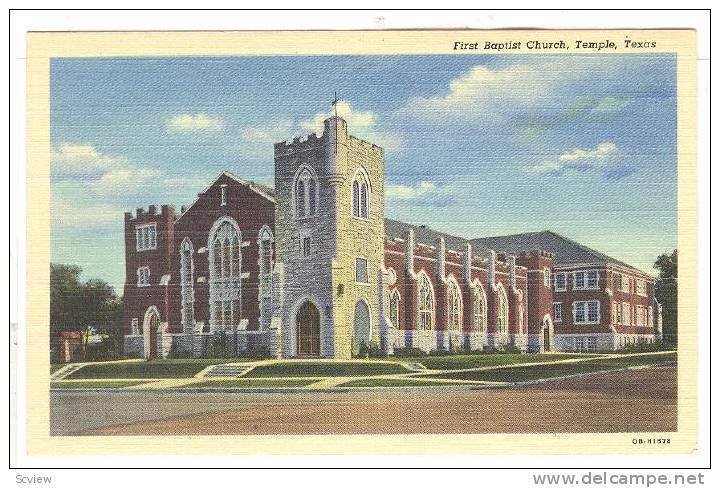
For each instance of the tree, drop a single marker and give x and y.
(78, 306)
(666, 294)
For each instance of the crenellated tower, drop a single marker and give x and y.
(329, 218)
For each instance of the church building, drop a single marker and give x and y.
(312, 268)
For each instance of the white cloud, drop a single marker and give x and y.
(70, 214)
(582, 159)
(82, 160)
(103, 174)
(277, 132)
(405, 192)
(195, 123)
(360, 124)
(423, 194)
(485, 92)
(124, 181)
(358, 120)
(611, 104)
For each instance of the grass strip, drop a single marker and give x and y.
(157, 368)
(466, 361)
(531, 373)
(319, 368)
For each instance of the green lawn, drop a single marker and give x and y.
(156, 368)
(251, 383)
(398, 382)
(94, 384)
(529, 373)
(466, 361)
(321, 368)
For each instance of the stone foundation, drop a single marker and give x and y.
(233, 343)
(442, 340)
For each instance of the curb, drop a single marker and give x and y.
(591, 373)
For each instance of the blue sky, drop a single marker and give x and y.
(475, 145)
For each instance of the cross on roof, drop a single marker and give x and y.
(334, 103)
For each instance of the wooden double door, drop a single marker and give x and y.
(308, 330)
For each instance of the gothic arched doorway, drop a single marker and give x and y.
(308, 330)
(547, 335)
(151, 327)
(362, 325)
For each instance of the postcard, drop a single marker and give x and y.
(390, 241)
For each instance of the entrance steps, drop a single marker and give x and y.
(65, 371)
(228, 370)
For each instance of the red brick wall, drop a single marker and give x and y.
(247, 207)
(539, 296)
(607, 312)
(159, 261)
(425, 261)
(251, 211)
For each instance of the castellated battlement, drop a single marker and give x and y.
(152, 211)
(356, 141)
(296, 144)
(312, 141)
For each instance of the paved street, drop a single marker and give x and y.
(635, 400)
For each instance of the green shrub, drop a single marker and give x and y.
(134, 355)
(219, 347)
(176, 353)
(406, 352)
(374, 350)
(644, 347)
(256, 352)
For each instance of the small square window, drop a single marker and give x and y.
(306, 246)
(146, 237)
(361, 270)
(593, 312)
(592, 279)
(143, 274)
(579, 280)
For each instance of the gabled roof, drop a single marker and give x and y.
(264, 191)
(567, 252)
(395, 229)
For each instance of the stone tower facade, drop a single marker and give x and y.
(329, 218)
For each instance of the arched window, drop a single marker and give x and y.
(305, 193)
(217, 258)
(225, 246)
(479, 309)
(502, 315)
(426, 303)
(235, 256)
(454, 306)
(394, 306)
(186, 284)
(265, 252)
(361, 195)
